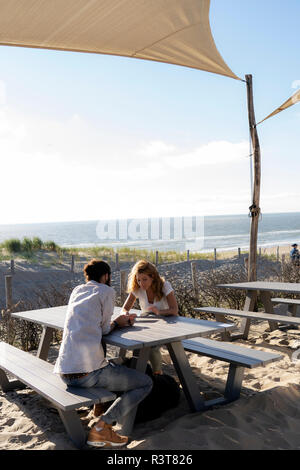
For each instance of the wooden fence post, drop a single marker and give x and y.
(123, 281)
(8, 291)
(215, 254)
(72, 263)
(156, 258)
(194, 277)
(117, 262)
(12, 266)
(9, 305)
(239, 252)
(188, 255)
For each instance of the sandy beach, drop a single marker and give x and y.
(265, 417)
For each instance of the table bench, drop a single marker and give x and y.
(291, 303)
(38, 375)
(238, 357)
(265, 290)
(220, 313)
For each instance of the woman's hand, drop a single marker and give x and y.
(153, 309)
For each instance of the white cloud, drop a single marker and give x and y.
(157, 149)
(213, 153)
(72, 170)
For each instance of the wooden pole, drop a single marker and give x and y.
(123, 279)
(194, 277)
(215, 254)
(188, 255)
(156, 258)
(8, 291)
(12, 266)
(254, 208)
(246, 264)
(72, 263)
(117, 262)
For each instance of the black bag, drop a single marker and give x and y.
(165, 394)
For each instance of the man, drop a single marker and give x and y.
(294, 253)
(81, 361)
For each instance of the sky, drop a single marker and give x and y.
(91, 137)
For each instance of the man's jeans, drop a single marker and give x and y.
(135, 385)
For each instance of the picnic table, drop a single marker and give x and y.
(146, 332)
(266, 290)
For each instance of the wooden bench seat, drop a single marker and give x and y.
(238, 357)
(252, 315)
(292, 304)
(38, 375)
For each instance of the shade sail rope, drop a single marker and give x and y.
(294, 99)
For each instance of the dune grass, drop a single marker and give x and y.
(35, 250)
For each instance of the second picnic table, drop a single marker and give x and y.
(266, 288)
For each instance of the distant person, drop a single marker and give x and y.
(81, 361)
(294, 253)
(155, 295)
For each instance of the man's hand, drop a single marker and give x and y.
(125, 320)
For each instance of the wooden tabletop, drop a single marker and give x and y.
(146, 331)
(285, 287)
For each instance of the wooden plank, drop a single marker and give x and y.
(280, 300)
(197, 327)
(229, 352)
(123, 343)
(38, 374)
(161, 331)
(288, 287)
(252, 315)
(43, 315)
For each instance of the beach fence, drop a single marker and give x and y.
(8, 292)
(123, 284)
(281, 254)
(194, 278)
(117, 259)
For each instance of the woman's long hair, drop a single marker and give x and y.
(145, 267)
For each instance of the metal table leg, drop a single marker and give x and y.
(185, 376)
(45, 341)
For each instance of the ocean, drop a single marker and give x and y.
(221, 232)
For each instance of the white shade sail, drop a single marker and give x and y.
(295, 98)
(172, 31)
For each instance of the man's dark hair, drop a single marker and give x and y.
(95, 269)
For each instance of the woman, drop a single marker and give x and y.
(155, 296)
(81, 361)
